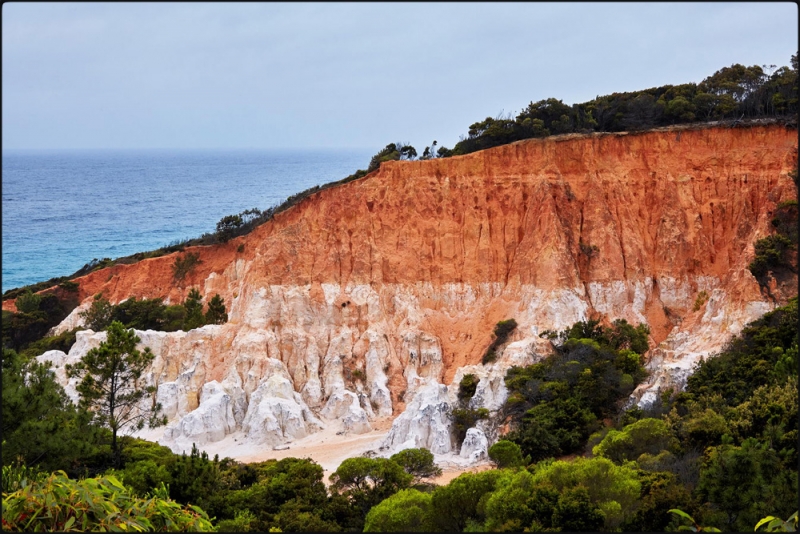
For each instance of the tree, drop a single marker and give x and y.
(39, 423)
(195, 478)
(228, 226)
(109, 384)
(407, 152)
(745, 483)
(408, 510)
(183, 265)
(28, 302)
(649, 436)
(216, 313)
(457, 503)
(574, 512)
(99, 314)
(367, 481)
(467, 387)
(614, 489)
(506, 453)
(418, 463)
(389, 153)
(194, 310)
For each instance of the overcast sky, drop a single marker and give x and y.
(273, 75)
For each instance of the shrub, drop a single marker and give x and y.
(145, 314)
(644, 436)
(194, 310)
(501, 333)
(506, 453)
(28, 302)
(62, 342)
(184, 265)
(358, 374)
(556, 404)
(70, 286)
(467, 387)
(228, 226)
(103, 503)
(461, 501)
(408, 510)
(365, 482)
(99, 314)
(771, 253)
(417, 462)
(701, 299)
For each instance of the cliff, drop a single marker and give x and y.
(402, 275)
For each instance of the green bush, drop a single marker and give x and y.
(771, 253)
(467, 387)
(61, 504)
(62, 342)
(501, 332)
(28, 302)
(364, 482)
(556, 404)
(461, 502)
(748, 361)
(506, 453)
(70, 286)
(184, 265)
(418, 463)
(99, 315)
(216, 313)
(408, 510)
(644, 436)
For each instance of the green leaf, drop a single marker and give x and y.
(682, 514)
(765, 520)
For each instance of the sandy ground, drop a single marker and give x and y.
(325, 447)
(450, 473)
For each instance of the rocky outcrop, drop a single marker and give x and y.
(373, 298)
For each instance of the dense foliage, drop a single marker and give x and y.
(735, 92)
(501, 332)
(153, 314)
(61, 504)
(725, 451)
(776, 254)
(36, 314)
(556, 404)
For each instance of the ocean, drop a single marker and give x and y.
(61, 209)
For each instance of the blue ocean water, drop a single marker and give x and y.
(61, 209)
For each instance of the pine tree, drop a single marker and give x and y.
(216, 313)
(109, 384)
(194, 310)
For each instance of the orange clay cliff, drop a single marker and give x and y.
(403, 274)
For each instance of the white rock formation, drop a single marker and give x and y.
(287, 366)
(475, 448)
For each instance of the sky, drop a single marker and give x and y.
(346, 75)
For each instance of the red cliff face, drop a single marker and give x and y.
(415, 263)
